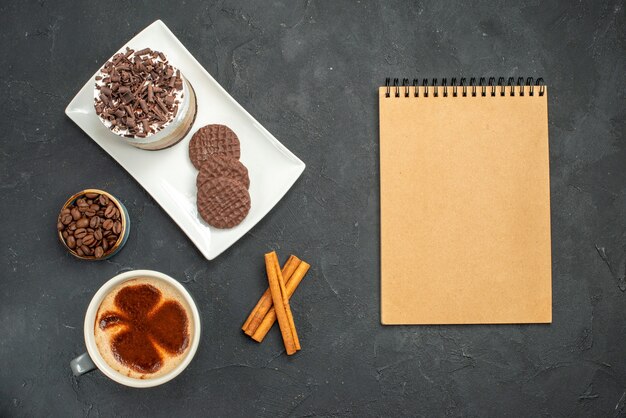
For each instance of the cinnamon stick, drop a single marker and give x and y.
(281, 303)
(285, 296)
(269, 319)
(265, 302)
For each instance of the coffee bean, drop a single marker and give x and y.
(71, 242)
(79, 242)
(107, 233)
(82, 222)
(80, 252)
(100, 213)
(60, 226)
(94, 222)
(94, 207)
(99, 252)
(65, 211)
(91, 195)
(103, 200)
(108, 224)
(66, 219)
(98, 234)
(90, 213)
(88, 239)
(86, 250)
(117, 227)
(105, 245)
(65, 234)
(80, 233)
(72, 227)
(110, 211)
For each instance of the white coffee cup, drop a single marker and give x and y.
(92, 359)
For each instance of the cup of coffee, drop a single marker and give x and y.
(142, 329)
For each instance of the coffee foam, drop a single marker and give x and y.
(103, 337)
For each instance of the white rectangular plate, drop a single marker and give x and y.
(169, 176)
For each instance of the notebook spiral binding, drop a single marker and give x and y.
(483, 85)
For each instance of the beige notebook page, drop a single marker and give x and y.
(465, 208)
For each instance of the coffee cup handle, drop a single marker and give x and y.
(82, 364)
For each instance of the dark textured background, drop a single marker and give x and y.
(308, 71)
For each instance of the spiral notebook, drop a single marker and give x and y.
(465, 202)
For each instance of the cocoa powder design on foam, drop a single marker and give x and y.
(149, 326)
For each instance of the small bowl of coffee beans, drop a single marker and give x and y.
(93, 225)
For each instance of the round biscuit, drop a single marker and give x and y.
(213, 140)
(220, 166)
(223, 202)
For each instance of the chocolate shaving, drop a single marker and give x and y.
(162, 105)
(144, 88)
(143, 51)
(127, 97)
(144, 107)
(105, 99)
(158, 113)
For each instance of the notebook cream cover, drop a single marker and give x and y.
(465, 206)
